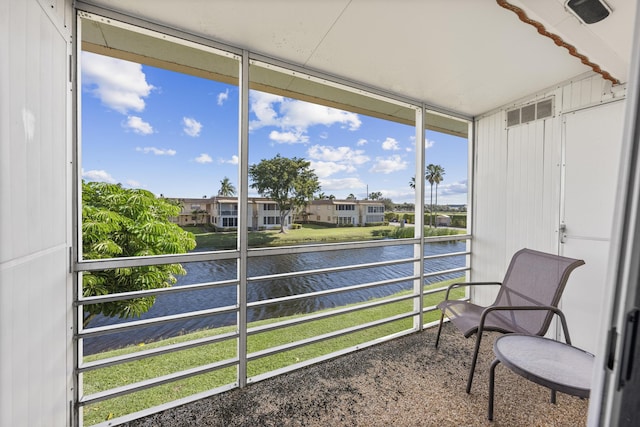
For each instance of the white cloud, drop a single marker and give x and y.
(133, 183)
(120, 85)
(204, 158)
(327, 160)
(157, 151)
(329, 185)
(325, 169)
(301, 115)
(390, 144)
(296, 116)
(261, 104)
(192, 127)
(338, 154)
(459, 187)
(361, 142)
(428, 143)
(288, 137)
(223, 96)
(138, 125)
(388, 165)
(398, 193)
(232, 161)
(98, 175)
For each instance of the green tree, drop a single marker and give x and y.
(351, 196)
(389, 206)
(119, 222)
(226, 188)
(438, 177)
(376, 195)
(428, 175)
(290, 183)
(434, 175)
(412, 183)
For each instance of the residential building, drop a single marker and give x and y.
(345, 212)
(222, 213)
(194, 211)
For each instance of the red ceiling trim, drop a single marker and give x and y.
(557, 40)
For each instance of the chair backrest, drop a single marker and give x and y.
(534, 278)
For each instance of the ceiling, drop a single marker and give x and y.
(463, 56)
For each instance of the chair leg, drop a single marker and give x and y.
(492, 376)
(439, 330)
(474, 361)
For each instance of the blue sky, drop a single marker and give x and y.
(176, 135)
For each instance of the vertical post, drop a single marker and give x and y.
(243, 212)
(471, 169)
(75, 253)
(418, 250)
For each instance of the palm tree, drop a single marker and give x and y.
(412, 183)
(438, 177)
(226, 188)
(430, 175)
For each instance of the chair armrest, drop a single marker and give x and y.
(551, 308)
(464, 284)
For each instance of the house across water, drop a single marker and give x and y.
(344, 212)
(222, 213)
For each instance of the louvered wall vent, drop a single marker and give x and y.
(530, 112)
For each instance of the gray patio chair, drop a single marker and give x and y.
(526, 302)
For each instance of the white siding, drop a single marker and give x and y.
(518, 180)
(489, 258)
(35, 308)
(532, 187)
(589, 214)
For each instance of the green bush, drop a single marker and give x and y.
(458, 220)
(390, 216)
(382, 232)
(408, 232)
(410, 217)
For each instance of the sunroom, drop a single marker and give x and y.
(528, 109)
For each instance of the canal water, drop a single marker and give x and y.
(209, 271)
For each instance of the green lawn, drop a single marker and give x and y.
(115, 376)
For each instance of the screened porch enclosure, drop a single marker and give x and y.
(248, 311)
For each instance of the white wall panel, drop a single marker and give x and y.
(583, 92)
(517, 182)
(35, 308)
(488, 259)
(592, 144)
(532, 174)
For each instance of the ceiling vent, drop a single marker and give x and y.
(589, 11)
(530, 112)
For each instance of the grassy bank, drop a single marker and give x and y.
(310, 233)
(115, 376)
